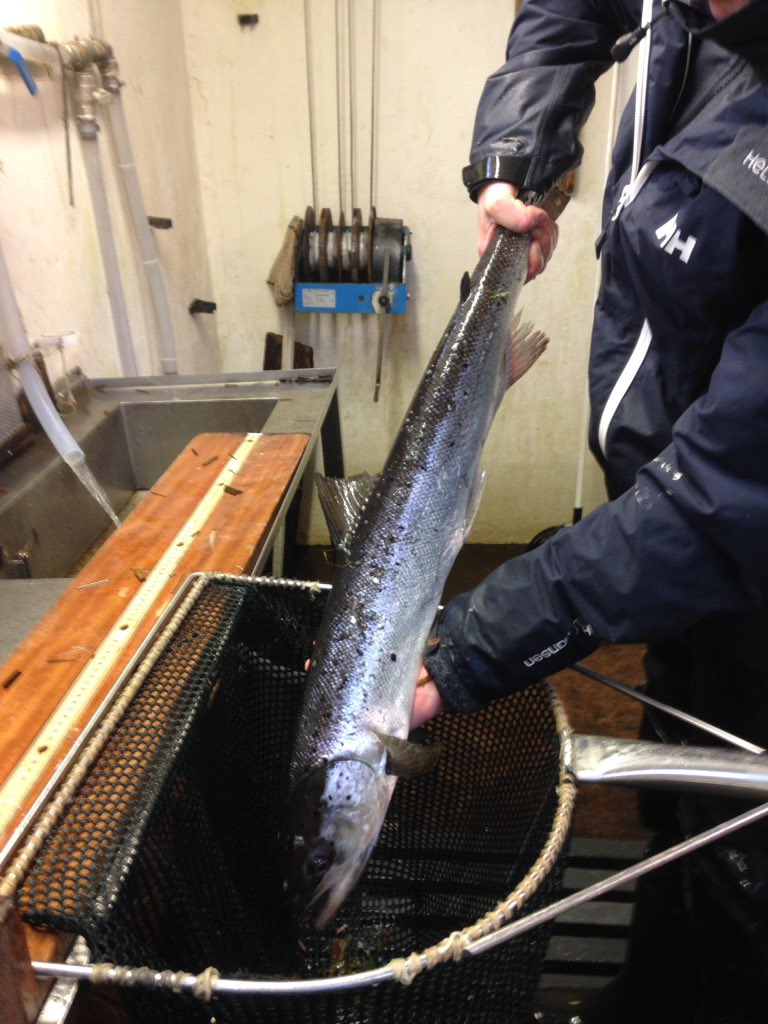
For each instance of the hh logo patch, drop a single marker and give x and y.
(671, 240)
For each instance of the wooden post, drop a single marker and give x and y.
(20, 995)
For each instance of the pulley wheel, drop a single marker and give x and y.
(338, 244)
(387, 240)
(326, 226)
(306, 269)
(369, 252)
(354, 246)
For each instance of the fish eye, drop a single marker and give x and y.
(320, 859)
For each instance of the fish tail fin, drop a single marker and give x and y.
(342, 501)
(525, 346)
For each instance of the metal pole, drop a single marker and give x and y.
(697, 723)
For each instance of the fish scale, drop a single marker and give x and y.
(351, 737)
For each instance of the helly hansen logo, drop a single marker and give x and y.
(758, 164)
(546, 653)
(672, 241)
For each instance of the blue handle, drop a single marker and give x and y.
(13, 54)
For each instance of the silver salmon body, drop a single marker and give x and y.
(351, 741)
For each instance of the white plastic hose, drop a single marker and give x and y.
(17, 345)
(30, 49)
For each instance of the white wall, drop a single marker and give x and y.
(220, 122)
(50, 245)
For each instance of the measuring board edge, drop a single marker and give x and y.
(46, 745)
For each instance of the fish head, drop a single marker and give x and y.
(334, 818)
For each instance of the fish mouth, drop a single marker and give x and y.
(337, 812)
(337, 883)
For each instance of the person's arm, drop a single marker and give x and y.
(531, 112)
(532, 109)
(687, 542)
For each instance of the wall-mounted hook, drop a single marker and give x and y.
(202, 306)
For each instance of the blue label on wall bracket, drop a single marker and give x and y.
(349, 298)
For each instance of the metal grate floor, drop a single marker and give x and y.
(588, 943)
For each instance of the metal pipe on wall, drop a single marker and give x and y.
(146, 240)
(310, 98)
(86, 84)
(346, 106)
(374, 97)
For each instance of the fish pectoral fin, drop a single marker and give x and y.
(342, 501)
(525, 346)
(407, 759)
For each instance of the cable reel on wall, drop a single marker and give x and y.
(358, 268)
(355, 268)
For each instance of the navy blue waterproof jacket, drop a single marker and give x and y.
(679, 358)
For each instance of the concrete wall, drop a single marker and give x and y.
(221, 119)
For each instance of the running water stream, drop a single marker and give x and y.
(82, 470)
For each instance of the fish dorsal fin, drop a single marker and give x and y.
(465, 287)
(524, 347)
(407, 759)
(342, 500)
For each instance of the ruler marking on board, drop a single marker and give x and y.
(42, 751)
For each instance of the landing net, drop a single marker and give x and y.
(169, 853)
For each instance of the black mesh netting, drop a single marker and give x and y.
(169, 855)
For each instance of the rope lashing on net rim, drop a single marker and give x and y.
(401, 969)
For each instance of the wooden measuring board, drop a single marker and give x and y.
(210, 512)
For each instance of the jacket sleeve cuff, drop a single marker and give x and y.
(439, 664)
(496, 167)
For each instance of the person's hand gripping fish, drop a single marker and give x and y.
(498, 203)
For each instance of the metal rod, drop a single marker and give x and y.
(310, 92)
(374, 73)
(339, 113)
(352, 111)
(65, 121)
(220, 986)
(381, 313)
(698, 723)
(630, 874)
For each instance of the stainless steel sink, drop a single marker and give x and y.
(155, 432)
(131, 430)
